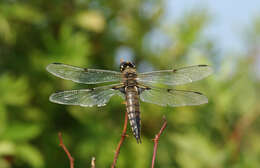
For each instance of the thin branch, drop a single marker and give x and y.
(93, 162)
(120, 142)
(156, 140)
(241, 128)
(66, 151)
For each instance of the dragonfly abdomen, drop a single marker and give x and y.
(132, 106)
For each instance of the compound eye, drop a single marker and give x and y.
(122, 67)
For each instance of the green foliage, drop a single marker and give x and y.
(222, 133)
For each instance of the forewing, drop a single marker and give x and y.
(171, 97)
(83, 75)
(175, 77)
(86, 97)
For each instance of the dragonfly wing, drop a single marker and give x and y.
(171, 97)
(86, 97)
(83, 75)
(175, 77)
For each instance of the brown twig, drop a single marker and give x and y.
(93, 162)
(156, 140)
(66, 151)
(120, 142)
(241, 128)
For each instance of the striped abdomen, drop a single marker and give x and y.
(132, 107)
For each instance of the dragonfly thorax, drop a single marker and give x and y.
(129, 77)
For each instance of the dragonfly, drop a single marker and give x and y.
(131, 86)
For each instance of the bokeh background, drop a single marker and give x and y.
(155, 34)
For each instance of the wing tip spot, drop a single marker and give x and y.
(56, 63)
(198, 93)
(86, 69)
(202, 65)
(58, 91)
(169, 90)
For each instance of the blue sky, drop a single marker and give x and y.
(230, 18)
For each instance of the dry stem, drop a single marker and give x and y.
(156, 141)
(93, 165)
(66, 151)
(120, 142)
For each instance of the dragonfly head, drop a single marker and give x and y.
(125, 65)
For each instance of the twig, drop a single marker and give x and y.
(120, 142)
(241, 128)
(156, 140)
(66, 151)
(93, 162)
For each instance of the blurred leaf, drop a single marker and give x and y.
(31, 155)
(11, 87)
(71, 48)
(21, 132)
(7, 148)
(6, 32)
(22, 12)
(3, 119)
(196, 150)
(91, 20)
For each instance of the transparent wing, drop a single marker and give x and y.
(176, 76)
(171, 97)
(86, 97)
(83, 75)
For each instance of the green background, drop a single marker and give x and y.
(96, 34)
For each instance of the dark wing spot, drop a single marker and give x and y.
(115, 88)
(140, 90)
(91, 89)
(121, 89)
(86, 69)
(198, 93)
(56, 63)
(175, 70)
(58, 91)
(202, 65)
(169, 90)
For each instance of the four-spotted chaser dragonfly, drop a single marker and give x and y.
(131, 86)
